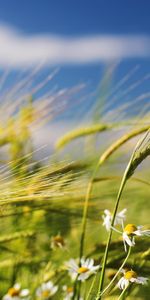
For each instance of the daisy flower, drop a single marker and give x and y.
(16, 293)
(83, 271)
(57, 242)
(130, 231)
(130, 276)
(107, 217)
(68, 291)
(46, 290)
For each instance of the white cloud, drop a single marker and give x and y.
(20, 50)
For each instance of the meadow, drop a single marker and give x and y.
(70, 221)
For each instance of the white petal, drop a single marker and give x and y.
(54, 290)
(128, 240)
(95, 268)
(68, 297)
(73, 274)
(83, 276)
(121, 215)
(146, 232)
(43, 286)
(82, 261)
(139, 227)
(38, 291)
(142, 280)
(7, 297)
(86, 263)
(48, 285)
(138, 232)
(107, 212)
(72, 264)
(91, 263)
(133, 279)
(122, 283)
(125, 283)
(107, 222)
(17, 286)
(24, 293)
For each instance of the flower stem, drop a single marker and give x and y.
(123, 182)
(126, 176)
(122, 294)
(75, 288)
(91, 287)
(124, 262)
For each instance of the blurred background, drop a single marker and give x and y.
(93, 45)
(80, 41)
(79, 66)
(79, 37)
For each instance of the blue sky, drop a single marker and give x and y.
(69, 19)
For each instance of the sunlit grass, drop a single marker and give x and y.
(44, 199)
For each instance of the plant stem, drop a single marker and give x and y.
(126, 175)
(122, 294)
(84, 218)
(75, 288)
(124, 262)
(91, 287)
(85, 211)
(123, 182)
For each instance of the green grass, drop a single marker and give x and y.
(38, 202)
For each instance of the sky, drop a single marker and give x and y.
(81, 37)
(69, 17)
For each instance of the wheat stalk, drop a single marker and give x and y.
(74, 134)
(121, 141)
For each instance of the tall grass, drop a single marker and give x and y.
(51, 208)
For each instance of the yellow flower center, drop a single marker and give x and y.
(82, 270)
(46, 294)
(130, 274)
(69, 290)
(13, 292)
(130, 228)
(58, 240)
